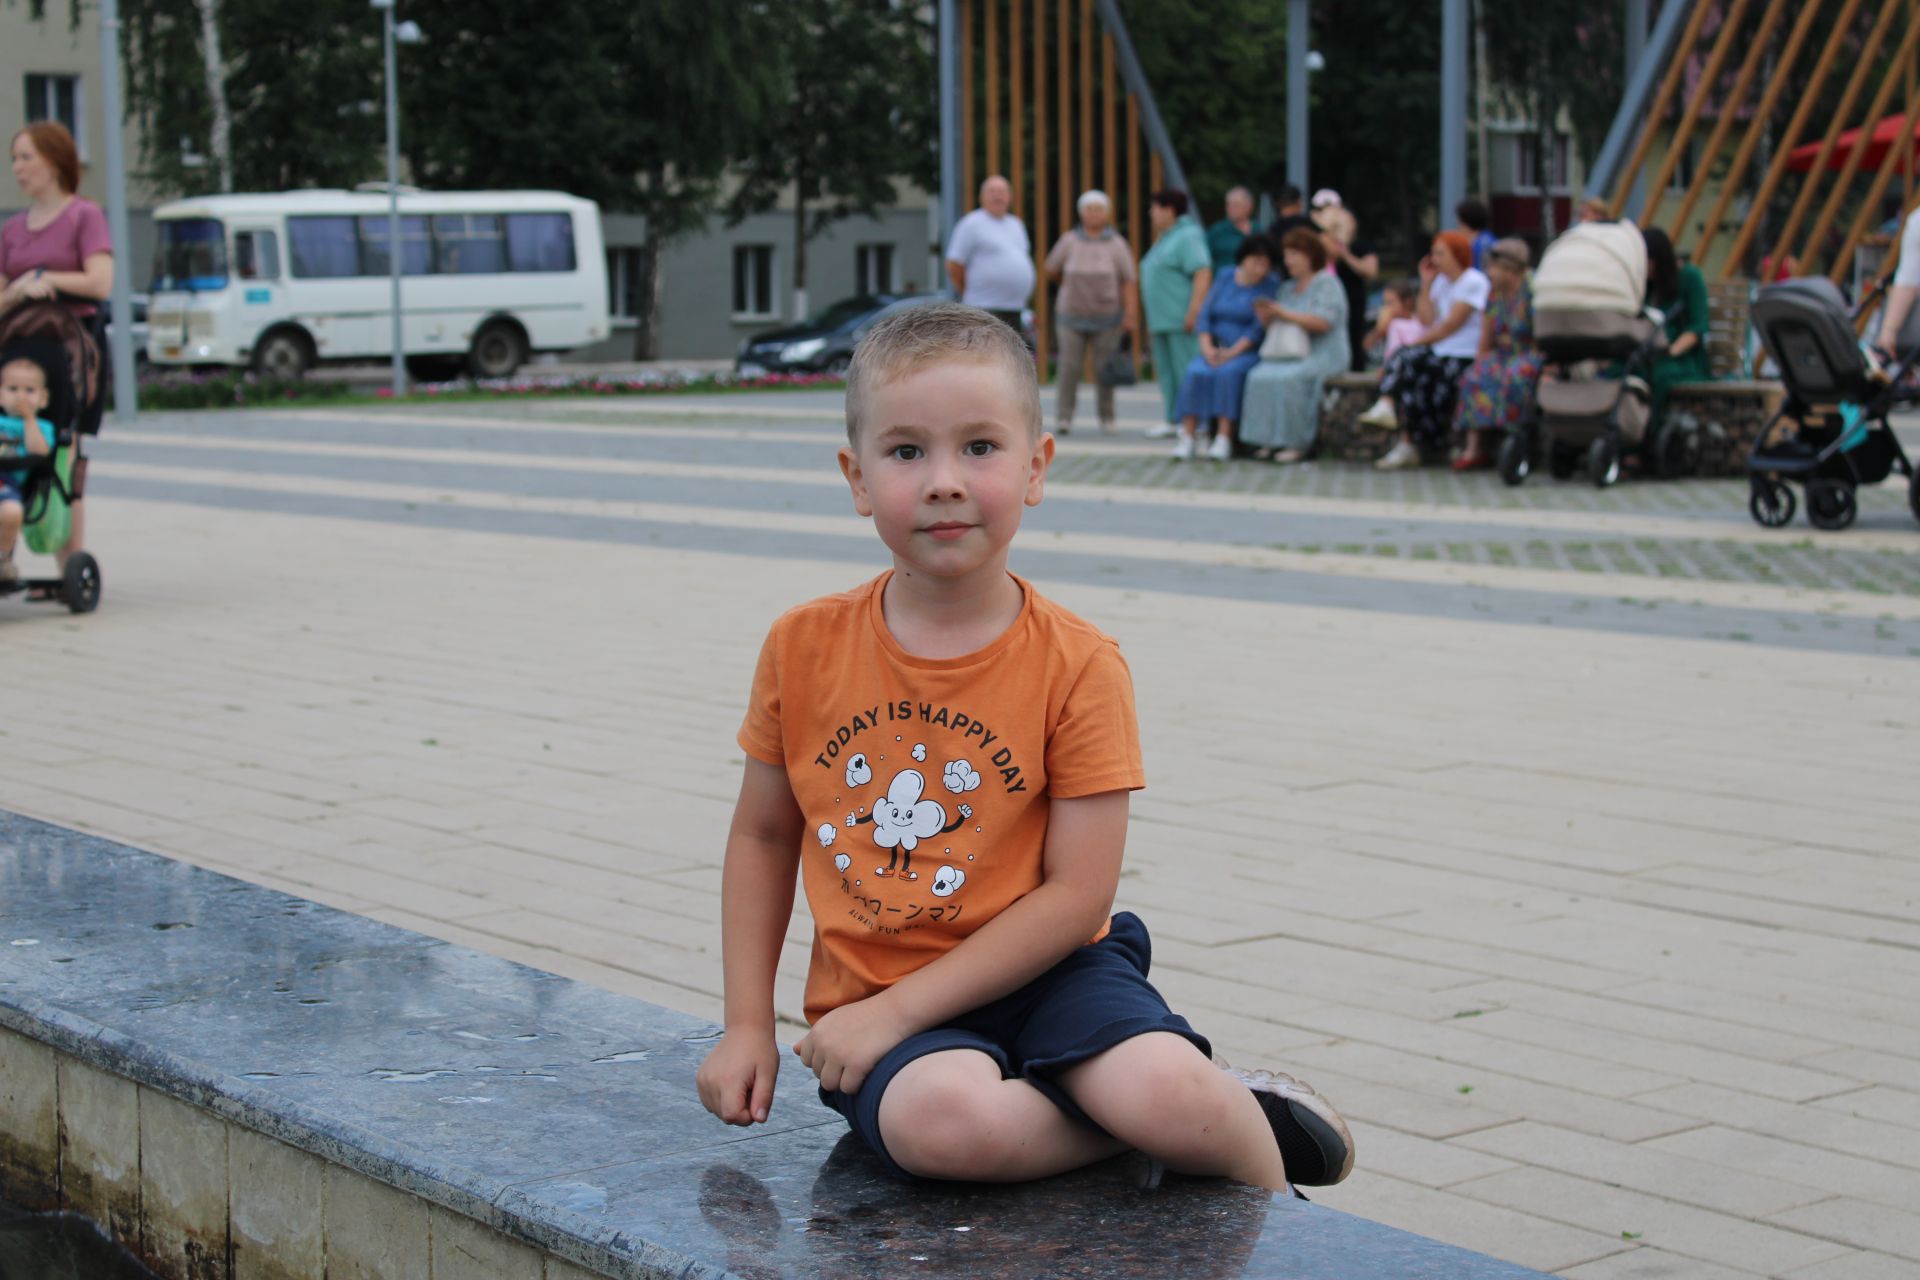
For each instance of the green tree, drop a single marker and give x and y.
(855, 116)
(640, 107)
(303, 83)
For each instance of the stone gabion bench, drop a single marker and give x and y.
(1730, 414)
(235, 1083)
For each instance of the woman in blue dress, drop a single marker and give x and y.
(1230, 332)
(1282, 410)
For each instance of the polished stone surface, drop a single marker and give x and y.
(562, 1114)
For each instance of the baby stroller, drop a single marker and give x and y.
(1845, 442)
(51, 336)
(1598, 341)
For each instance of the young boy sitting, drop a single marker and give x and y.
(947, 757)
(23, 395)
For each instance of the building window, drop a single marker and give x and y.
(57, 98)
(1527, 167)
(626, 284)
(873, 268)
(753, 280)
(1684, 171)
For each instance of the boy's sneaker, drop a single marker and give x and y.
(1182, 449)
(1162, 431)
(1314, 1141)
(9, 571)
(1221, 450)
(1381, 414)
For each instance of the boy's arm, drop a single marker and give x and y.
(756, 903)
(1086, 837)
(35, 437)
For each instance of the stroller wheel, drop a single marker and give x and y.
(1676, 451)
(1913, 493)
(80, 584)
(1772, 504)
(1514, 463)
(1603, 461)
(1830, 503)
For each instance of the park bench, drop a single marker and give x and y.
(239, 1083)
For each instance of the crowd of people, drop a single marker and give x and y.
(1245, 323)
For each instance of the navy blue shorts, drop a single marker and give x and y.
(1088, 1003)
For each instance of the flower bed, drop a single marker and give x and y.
(238, 390)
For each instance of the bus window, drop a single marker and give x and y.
(256, 255)
(540, 242)
(191, 255)
(323, 247)
(416, 249)
(469, 244)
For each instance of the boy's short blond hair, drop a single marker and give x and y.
(915, 337)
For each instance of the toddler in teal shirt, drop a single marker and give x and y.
(23, 395)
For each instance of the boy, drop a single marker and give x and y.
(975, 1012)
(23, 394)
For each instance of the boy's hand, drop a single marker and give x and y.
(736, 1080)
(844, 1046)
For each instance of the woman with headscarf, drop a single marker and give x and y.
(1497, 388)
(1097, 303)
(1422, 382)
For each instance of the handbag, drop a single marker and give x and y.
(1117, 369)
(1285, 340)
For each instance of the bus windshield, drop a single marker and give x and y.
(191, 255)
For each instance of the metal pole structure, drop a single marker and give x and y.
(949, 121)
(1658, 55)
(126, 393)
(1136, 80)
(393, 202)
(1636, 50)
(1453, 107)
(1298, 42)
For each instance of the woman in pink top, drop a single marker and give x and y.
(60, 245)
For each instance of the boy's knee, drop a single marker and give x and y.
(943, 1125)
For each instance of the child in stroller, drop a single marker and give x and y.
(49, 374)
(1597, 341)
(23, 397)
(1831, 432)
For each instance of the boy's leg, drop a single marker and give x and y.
(952, 1115)
(11, 516)
(1159, 1093)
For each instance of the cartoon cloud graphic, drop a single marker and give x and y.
(903, 819)
(842, 862)
(826, 834)
(946, 880)
(859, 772)
(960, 777)
(919, 751)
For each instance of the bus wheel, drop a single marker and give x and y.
(284, 354)
(498, 349)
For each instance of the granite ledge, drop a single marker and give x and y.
(558, 1114)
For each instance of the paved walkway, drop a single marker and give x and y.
(1565, 838)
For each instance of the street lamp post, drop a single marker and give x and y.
(405, 33)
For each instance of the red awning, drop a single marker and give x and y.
(1886, 142)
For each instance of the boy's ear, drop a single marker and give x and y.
(856, 480)
(1037, 469)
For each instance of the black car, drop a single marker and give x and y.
(823, 343)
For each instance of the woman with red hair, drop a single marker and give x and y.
(1422, 383)
(59, 246)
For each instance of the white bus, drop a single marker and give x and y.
(278, 282)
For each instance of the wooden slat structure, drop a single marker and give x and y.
(1838, 200)
(1042, 103)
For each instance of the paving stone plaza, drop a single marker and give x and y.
(1564, 837)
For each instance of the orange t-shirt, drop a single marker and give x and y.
(926, 782)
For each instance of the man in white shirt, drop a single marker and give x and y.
(1905, 290)
(990, 259)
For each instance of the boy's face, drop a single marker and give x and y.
(946, 464)
(23, 389)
